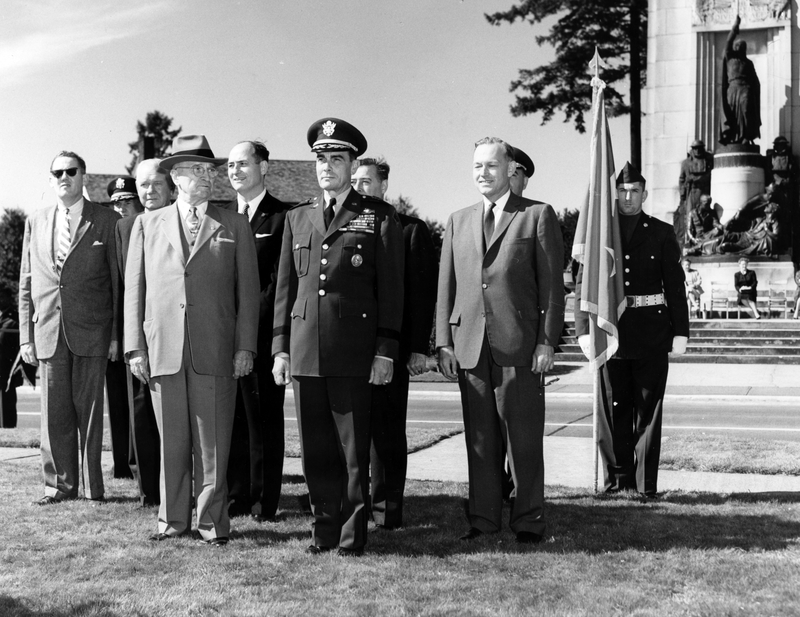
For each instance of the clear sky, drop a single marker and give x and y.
(422, 79)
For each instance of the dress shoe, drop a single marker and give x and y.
(219, 541)
(528, 537)
(350, 552)
(313, 549)
(258, 518)
(160, 537)
(47, 500)
(473, 533)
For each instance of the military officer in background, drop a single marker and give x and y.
(338, 312)
(523, 172)
(655, 322)
(389, 448)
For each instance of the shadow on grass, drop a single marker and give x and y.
(11, 607)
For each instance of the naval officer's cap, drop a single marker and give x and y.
(524, 161)
(335, 135)
(122, 187)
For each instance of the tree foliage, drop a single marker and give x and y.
(158, 126)
(582, 25)
(12, 231)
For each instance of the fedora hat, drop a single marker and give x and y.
(191, 148)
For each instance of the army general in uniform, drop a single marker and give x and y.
(338, 311)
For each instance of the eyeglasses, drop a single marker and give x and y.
(199, 170)
(57, 173)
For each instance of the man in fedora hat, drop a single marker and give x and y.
(191, 321)
(338, 311)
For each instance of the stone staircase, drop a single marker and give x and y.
(721, 341)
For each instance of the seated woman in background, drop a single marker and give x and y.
(746, 282)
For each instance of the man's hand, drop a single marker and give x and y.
(382, 371)
(140, 367)
(113, 351)
(583, 341)
(281, 371)
(448, 365)
(242, 363)
(543, 358)
(416, 364)
(28, 353)
(679, 345)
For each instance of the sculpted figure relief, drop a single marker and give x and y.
(741, 93)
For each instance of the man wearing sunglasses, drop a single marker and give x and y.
(191, 324)
(68, 309)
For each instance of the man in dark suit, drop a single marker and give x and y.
(154, 188)
(68, 313)
(655, 322)
(125, 202)
(338, 312)
(191, 324)
(255, 468)
(499, 316)
(389, 448)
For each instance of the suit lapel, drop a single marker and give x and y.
(87, 217)
(171, 224)
(509, 212)
(262, 212)
(208, 227)
(477, 226)
(50, 230)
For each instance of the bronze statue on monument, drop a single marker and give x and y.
(741, 93)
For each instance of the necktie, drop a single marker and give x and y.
(329, 213)
(488, 226)
(64, 240)
(193, 221)
(246, 210)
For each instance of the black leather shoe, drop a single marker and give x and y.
(473, 533)
(313, 549)
(258, 518)
(160, 537)
(350, 552)
(528, 537)
(219, 541)
(47, 500)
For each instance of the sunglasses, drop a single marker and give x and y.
(60, 172)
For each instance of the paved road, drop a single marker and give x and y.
(570, 414)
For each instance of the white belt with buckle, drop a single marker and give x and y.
(640, 301)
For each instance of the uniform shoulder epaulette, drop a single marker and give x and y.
(305, 202)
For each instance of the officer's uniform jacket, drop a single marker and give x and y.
(339, 299)
(651, 265)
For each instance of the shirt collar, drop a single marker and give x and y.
(340, 198)
(500, 203)
(75, 209)
(183, 208)
(253, 203)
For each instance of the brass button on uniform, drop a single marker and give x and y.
(322, 292)
(323, 261)
(322, 277)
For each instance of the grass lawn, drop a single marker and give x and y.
(688, 554)
(731, 455)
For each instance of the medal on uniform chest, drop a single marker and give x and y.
(357, 260)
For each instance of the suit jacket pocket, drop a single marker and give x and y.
(455, 318)
(302, 253)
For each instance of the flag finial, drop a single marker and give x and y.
(595, 65)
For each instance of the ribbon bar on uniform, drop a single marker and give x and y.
(640, 301)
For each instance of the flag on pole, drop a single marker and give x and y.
(597, 242)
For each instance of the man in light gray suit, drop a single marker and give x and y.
(499, 315)
(68, 314)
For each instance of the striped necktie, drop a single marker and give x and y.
(193, 221)
(64, 239)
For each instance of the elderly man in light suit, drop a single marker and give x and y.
(68, 314)
(191, 322)
(499, 316)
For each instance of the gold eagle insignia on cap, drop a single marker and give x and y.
(120, 183)
(328, 128)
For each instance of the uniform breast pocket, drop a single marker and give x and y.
(357, 256)
(301, 250)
